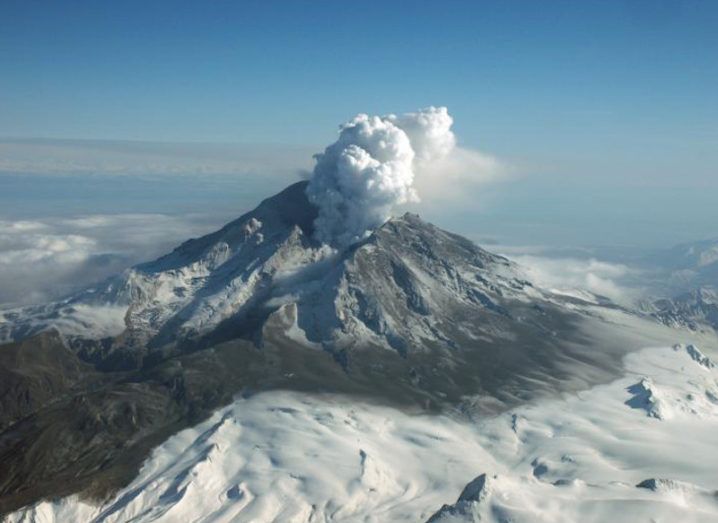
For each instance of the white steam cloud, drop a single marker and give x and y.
(370, 169)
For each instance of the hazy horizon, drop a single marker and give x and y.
(49, 177)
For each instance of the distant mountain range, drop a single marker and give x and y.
(688, 276)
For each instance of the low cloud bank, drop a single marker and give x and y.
(42, 259)
(572, 274)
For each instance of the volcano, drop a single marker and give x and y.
(410, 316)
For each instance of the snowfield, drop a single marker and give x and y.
(642, 448)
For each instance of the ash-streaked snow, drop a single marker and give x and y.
(594, 456)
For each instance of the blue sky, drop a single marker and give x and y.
(606, 110)
(513, 72)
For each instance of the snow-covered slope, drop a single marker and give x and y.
(639, 449)
(191, 289)
(601, 455)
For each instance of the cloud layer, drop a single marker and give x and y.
(47, 258)
(571, 274)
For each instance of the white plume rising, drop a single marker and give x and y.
(370, 169)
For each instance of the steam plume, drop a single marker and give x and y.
(370, 169)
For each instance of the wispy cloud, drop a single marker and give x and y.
(458, 177)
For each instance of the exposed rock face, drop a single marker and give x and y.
(36, 372)
(470, 505)
(697, 309)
